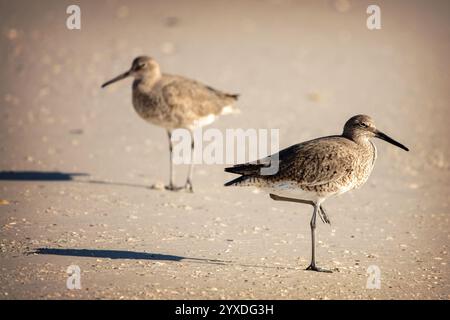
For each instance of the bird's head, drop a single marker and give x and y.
(362, 127)
(142, 67)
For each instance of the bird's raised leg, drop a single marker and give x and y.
(188, 186)
(171, 185)
(279, 198)
(322, 214)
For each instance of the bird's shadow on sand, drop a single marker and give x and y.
(39, 175)
(49, 176)
(120, 254)
(133, 255)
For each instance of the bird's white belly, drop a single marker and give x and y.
(204, 121)
(207, 120)
(291, 190)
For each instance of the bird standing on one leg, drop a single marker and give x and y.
(172, 102)
(314, 170)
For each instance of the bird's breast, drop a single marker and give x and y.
(363, 167)
(149, 106)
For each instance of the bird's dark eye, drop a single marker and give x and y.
(140, 66)
(364, 125)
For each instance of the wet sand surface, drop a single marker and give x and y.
(77, 162)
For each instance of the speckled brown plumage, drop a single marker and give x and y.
(177, 102)
(171, 101)
(321, 167)
(325, 165)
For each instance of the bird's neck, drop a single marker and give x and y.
(364, 142)
(147, 82)
(359, 139)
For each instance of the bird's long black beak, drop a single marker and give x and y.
(386, 138)
(118, 78)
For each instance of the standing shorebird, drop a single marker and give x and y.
(314, 170)
(172, 102)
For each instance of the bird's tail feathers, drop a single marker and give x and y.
(235, 96)
(244, 181)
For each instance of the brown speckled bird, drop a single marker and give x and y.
(314, 170)
(172, 102)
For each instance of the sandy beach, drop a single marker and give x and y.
(77, 162)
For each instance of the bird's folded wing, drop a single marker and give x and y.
(318, 162)
(199, 99)
(309, 163)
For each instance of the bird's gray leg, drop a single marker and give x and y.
(322, 214)
(188, 186)
(171, 185)
(313, 266)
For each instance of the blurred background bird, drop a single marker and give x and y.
(173, 102)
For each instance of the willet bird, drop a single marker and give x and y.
(314, 170)
(172, 102)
